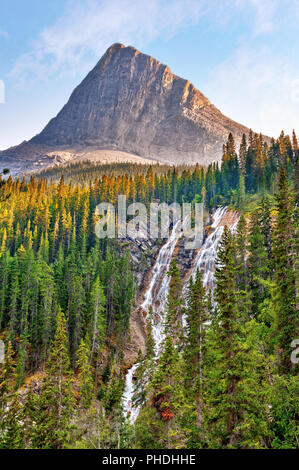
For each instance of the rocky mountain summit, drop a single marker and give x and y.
(130, 103)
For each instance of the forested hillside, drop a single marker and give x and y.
(224, 379)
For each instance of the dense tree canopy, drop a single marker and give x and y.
(224, 377)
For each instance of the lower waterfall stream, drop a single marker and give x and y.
(157, 291)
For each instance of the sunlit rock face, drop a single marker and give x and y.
(132, 102)
(129, 103)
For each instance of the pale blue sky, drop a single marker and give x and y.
(242, 54)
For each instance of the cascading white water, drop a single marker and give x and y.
(206, 257)
(156, 294)
(154, 297)
(205, 260)
(127, 399)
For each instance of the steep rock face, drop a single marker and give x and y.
(131, 102)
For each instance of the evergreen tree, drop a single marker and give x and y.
(258, 265)
(11, 430)
(97, 318)
(85, 374)
(174, 302)
(7, 376)
(22, 359)
(160, 424)
(242, 271)
(284, 254)
(234, 394)
(194, 352)
(56, 403)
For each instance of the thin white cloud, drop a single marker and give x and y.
(88, 27)
(263, 11)
(257, 86)
(4, 34)
(265, 16)
(258, 89)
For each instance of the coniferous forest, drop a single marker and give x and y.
(227, 374)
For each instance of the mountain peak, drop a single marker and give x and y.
(131, 102)
(115, 46)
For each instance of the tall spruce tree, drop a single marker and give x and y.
(56, 403)
(284, 254)
(86, 384)
(258, 264)
(194, 352)
(174, 306)
(234, 392)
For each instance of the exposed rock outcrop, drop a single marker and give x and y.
(132, 103)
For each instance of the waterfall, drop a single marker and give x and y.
(155, 297)
(127, 399)
(205, 259)
(156, 294)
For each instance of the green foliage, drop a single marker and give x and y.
(284, 412)
(285, 240)
(87, 388)
(55, 406)
(174, 307)
(225, 380)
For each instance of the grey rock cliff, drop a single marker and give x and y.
(133, 103)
